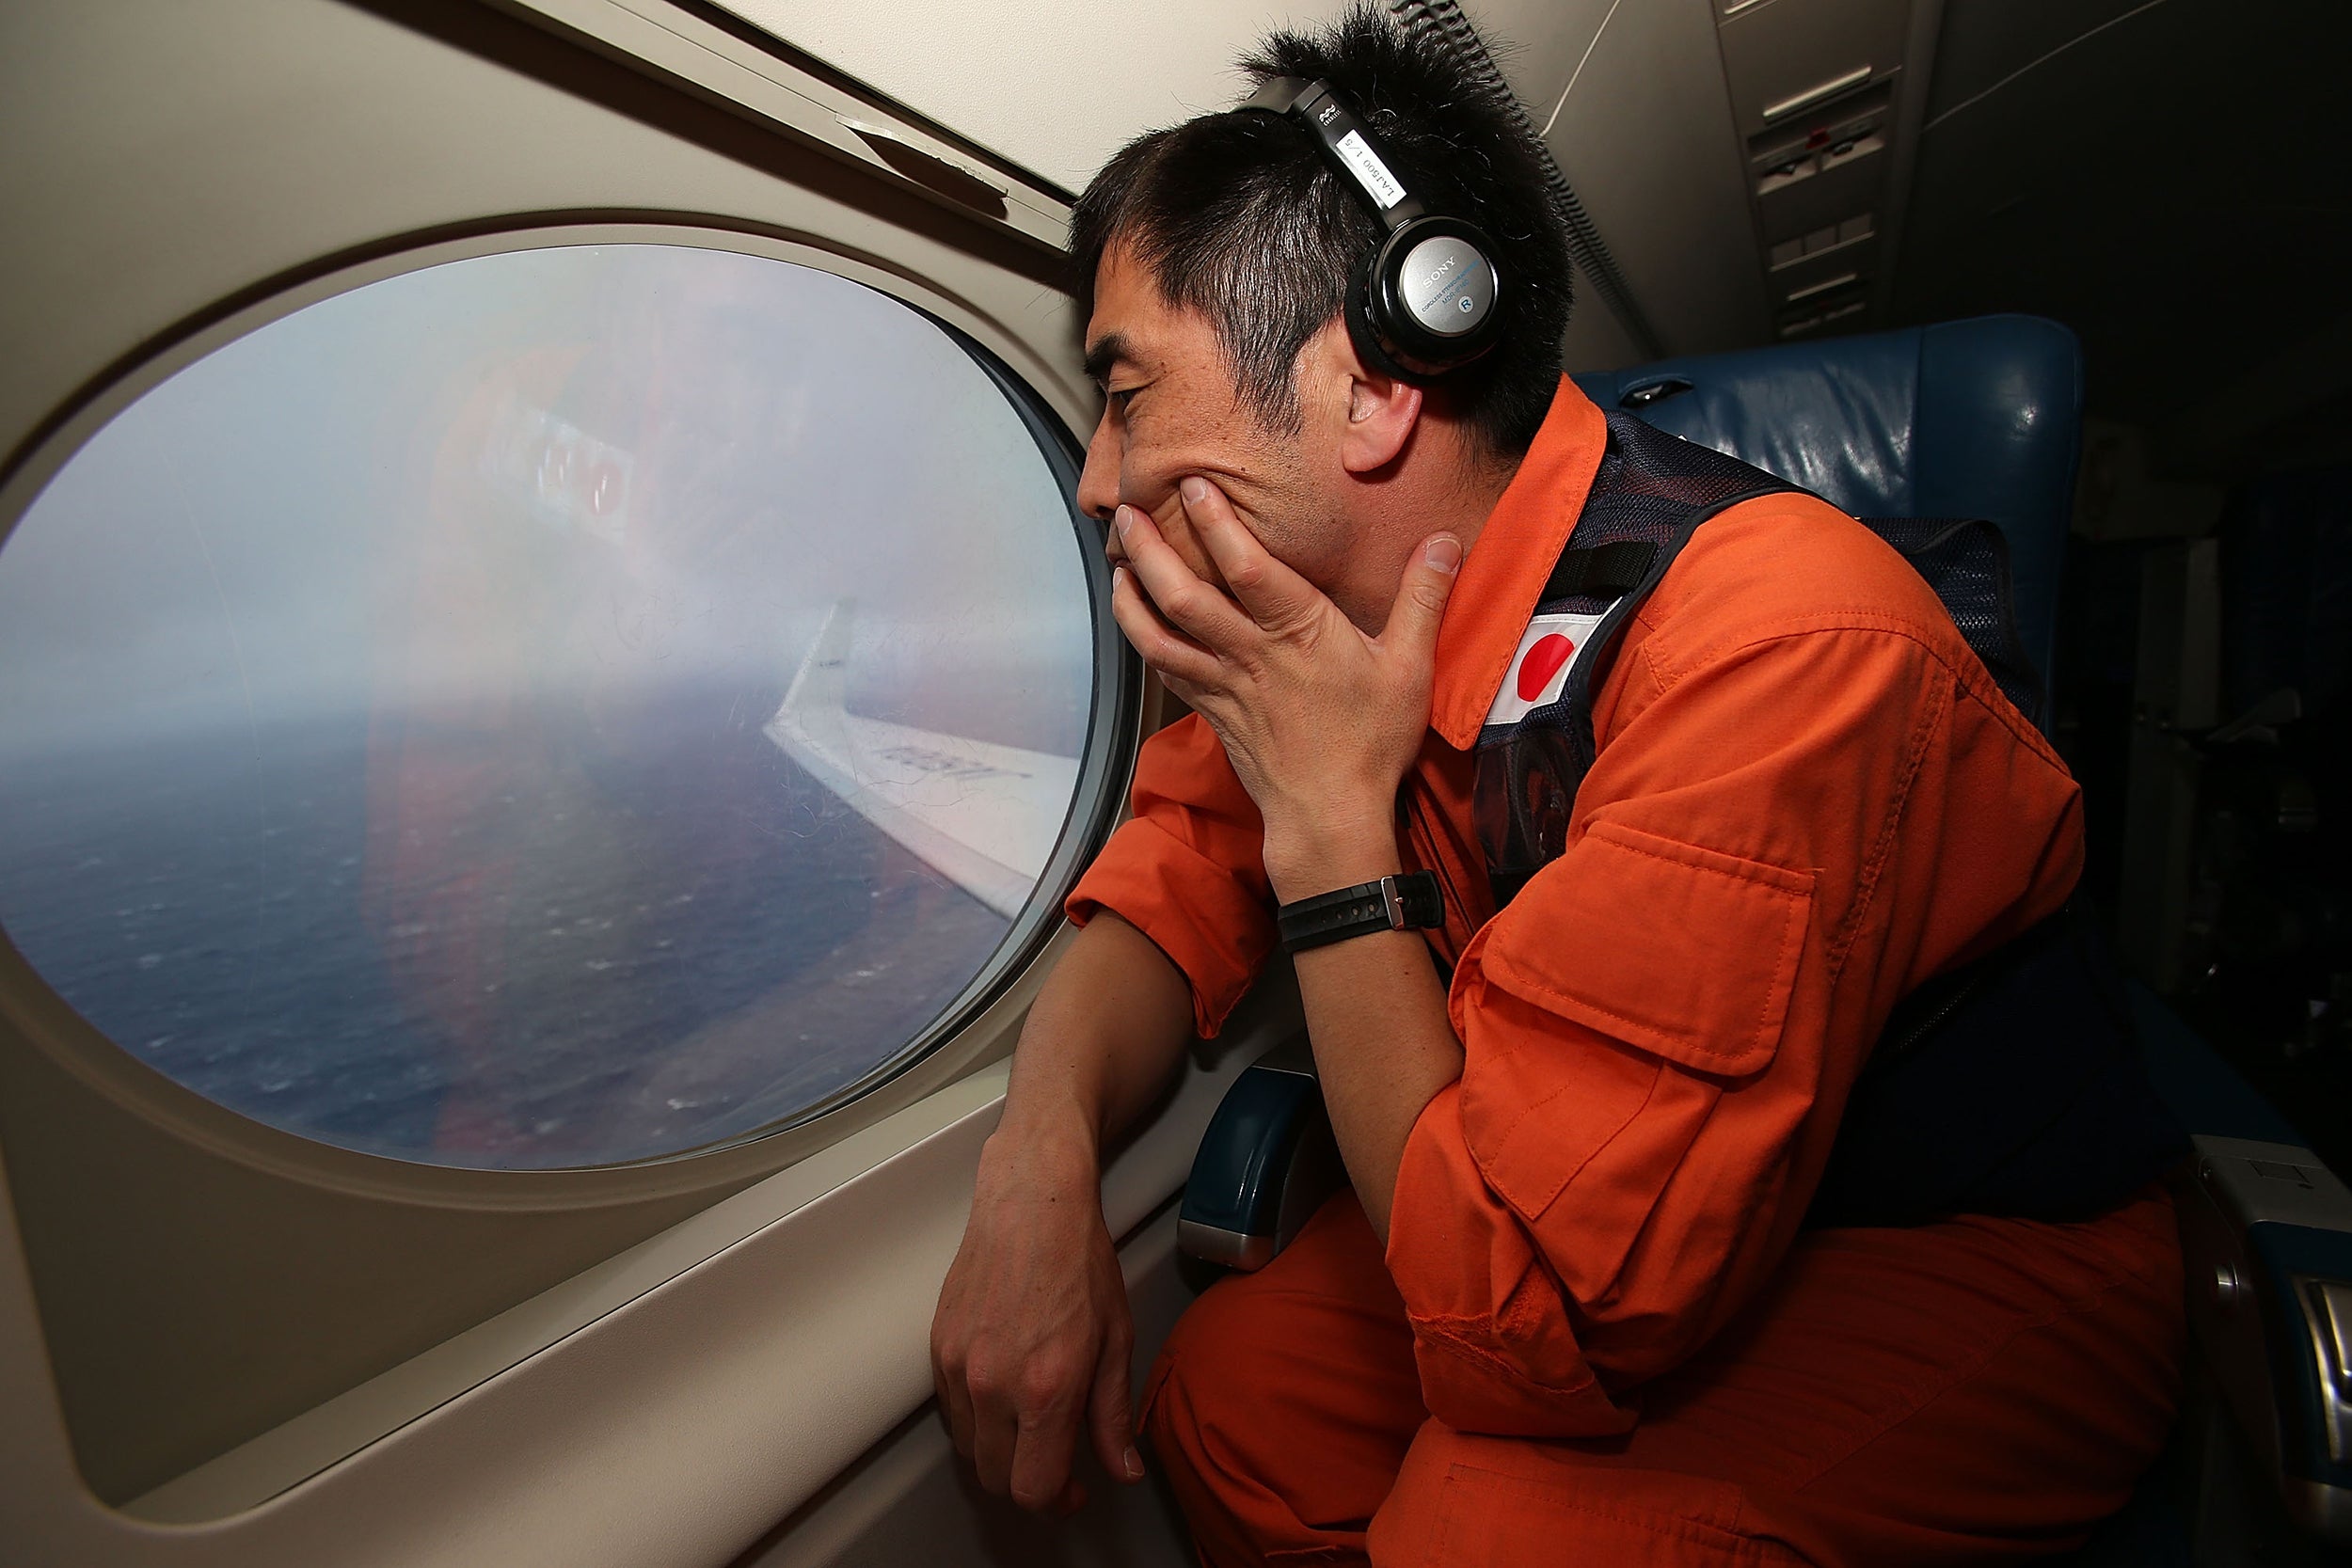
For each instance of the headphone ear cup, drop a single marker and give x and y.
(1453, 267)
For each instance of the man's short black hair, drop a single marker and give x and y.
(1240, 217)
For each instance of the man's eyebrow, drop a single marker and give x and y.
(1103, 353)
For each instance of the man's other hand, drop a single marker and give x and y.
(1033, 1338)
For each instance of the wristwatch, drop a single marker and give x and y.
(1392, 904)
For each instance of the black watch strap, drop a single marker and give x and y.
(1392, 904)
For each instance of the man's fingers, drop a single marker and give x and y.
(1040, 1460)
(1163, 647)
(1110, 1415)
(1420, 597)
(955, 1402)
(1272, 594)
(1187, 603)
(994, 1436)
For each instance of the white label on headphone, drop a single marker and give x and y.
(1369, 170)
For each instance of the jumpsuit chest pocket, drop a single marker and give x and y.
(1684, 953)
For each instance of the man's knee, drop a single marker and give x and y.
(1197, 1417)
(1283, 1402)
(1190, 1399)
(1463, 1501)
(1262, 1360)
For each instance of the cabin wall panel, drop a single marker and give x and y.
(1647, 136)
(1647, 141)
(911, 1500)
(1057, 86)
(139, 195)
(169, 163)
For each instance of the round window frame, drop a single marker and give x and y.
(33, 1007)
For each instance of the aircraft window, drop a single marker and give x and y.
(553, 708)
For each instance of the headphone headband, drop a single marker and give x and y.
(1345, 140)
(1428, 299)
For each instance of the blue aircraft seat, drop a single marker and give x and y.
(1969, 418)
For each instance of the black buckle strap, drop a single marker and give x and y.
(1604, 571)
(1392, 904)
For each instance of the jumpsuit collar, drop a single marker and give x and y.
(1504, 573)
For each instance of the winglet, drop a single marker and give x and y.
(820, 685)
(984, 815)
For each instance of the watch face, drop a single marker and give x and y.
(1446, 285)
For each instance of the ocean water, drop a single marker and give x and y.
(536, 947)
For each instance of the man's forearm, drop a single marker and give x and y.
(1104, 1035)
(1376, 1018)
(1375, 1011)
(1032, 1342)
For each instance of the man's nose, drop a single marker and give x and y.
(1098, 482)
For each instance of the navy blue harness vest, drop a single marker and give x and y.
(2010, 1086)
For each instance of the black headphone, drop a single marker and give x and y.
(1428, 299)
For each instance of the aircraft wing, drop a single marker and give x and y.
(984, 815)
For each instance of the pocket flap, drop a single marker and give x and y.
(1684, 952)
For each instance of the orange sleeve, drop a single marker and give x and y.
(1188, 869)
(1775, 844)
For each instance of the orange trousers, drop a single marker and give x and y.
(1975, 1390)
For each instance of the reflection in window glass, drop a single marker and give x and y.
(547, 709)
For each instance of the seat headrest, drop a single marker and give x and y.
(1968, 418)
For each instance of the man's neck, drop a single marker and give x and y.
(1410, 511)
(1453, 498)
(1475, 499)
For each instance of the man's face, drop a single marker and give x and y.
(1171, 409)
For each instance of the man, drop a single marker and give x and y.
(1570, 1311)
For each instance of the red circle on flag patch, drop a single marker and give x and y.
(1542, 662)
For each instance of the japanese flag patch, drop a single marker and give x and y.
(1548, 651)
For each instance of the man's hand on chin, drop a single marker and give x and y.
(1319, 720)
(1175, 531)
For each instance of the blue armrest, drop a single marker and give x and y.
(2266, 1246)
(1266, 1164)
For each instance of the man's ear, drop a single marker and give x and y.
(1378, 410)
(1382, 411)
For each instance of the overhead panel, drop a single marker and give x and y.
(1785, 57)
(1818, 92)
(2168, 182)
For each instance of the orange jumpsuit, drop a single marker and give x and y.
(1597, 1332)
